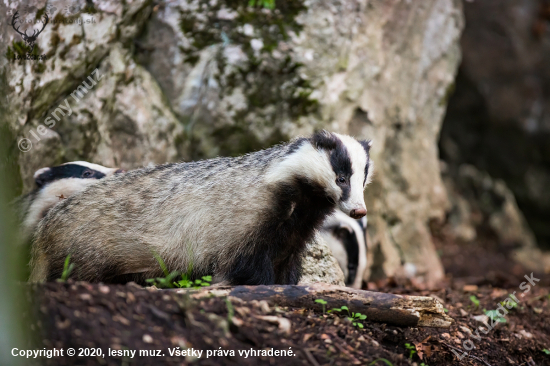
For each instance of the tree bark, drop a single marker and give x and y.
(400, 310)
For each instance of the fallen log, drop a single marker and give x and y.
(400, 310)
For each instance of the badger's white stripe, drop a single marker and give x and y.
(49, 196)
(306, 162)
(358, 159)
(99, 168)
(341, 219)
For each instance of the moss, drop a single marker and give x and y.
(40, 13)
(61, 19)
(89, 8)
(272, 83)
(9, 153)
(238, 140)
(20, 49)
(54, 42)
(448, 93)
(272, 26)
(75, 40)
(39, 68)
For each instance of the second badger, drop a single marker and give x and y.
(244, 220)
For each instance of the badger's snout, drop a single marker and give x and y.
(357, 213)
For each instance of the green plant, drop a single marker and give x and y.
(511, 303)
(163, 282)
(546, 351)
(169, 279)
(474, 299)
(381, 359)
(185, 282)
(340, 309)
(354, 318)
(495, 315)
(67, 269)
(230, 310)
(412, 350)
(268, 4)
(324, 303)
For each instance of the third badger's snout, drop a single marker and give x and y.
(54, 184)
(265, 205)
(346, 237)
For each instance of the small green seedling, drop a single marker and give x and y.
(230, 310)
(381, 359)
(354, 318)
(513, 304)
(340, 309)
(446, 310)
(546, 351)
(67, 269)
(495, 315)
(322, 302)
(169, 279)
(185, 282)
(474, 299)
(163, 282)
(412, 350)
(268, 4)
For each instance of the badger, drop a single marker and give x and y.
(244, 220)
(346, 238)
(54, 184)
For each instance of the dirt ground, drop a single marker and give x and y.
(127, 318)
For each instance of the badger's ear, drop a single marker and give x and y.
(41, 176)
(324, 140)
(366, 145)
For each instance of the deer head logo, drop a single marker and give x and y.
(29, 40)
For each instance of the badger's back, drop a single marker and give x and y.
(245, 220)
(211, 215)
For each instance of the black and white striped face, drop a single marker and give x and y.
(347, 240)
(351, 170)
(75, 169)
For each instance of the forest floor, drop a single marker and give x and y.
(129, 318)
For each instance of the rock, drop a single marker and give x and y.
(499, 116)
(147, 338)
(320, 266)
(477, 199)
(185, 80)
(481, 318)
(469, 288)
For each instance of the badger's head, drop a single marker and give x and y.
(75, 169)
(349, 170)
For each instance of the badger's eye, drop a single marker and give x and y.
(87, 174)
(341, 180)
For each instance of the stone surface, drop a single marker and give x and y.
(194, 79)
(499, 117)
(320, 265)
(478, 200)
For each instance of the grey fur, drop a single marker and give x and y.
(197, 214)
(34, 206)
